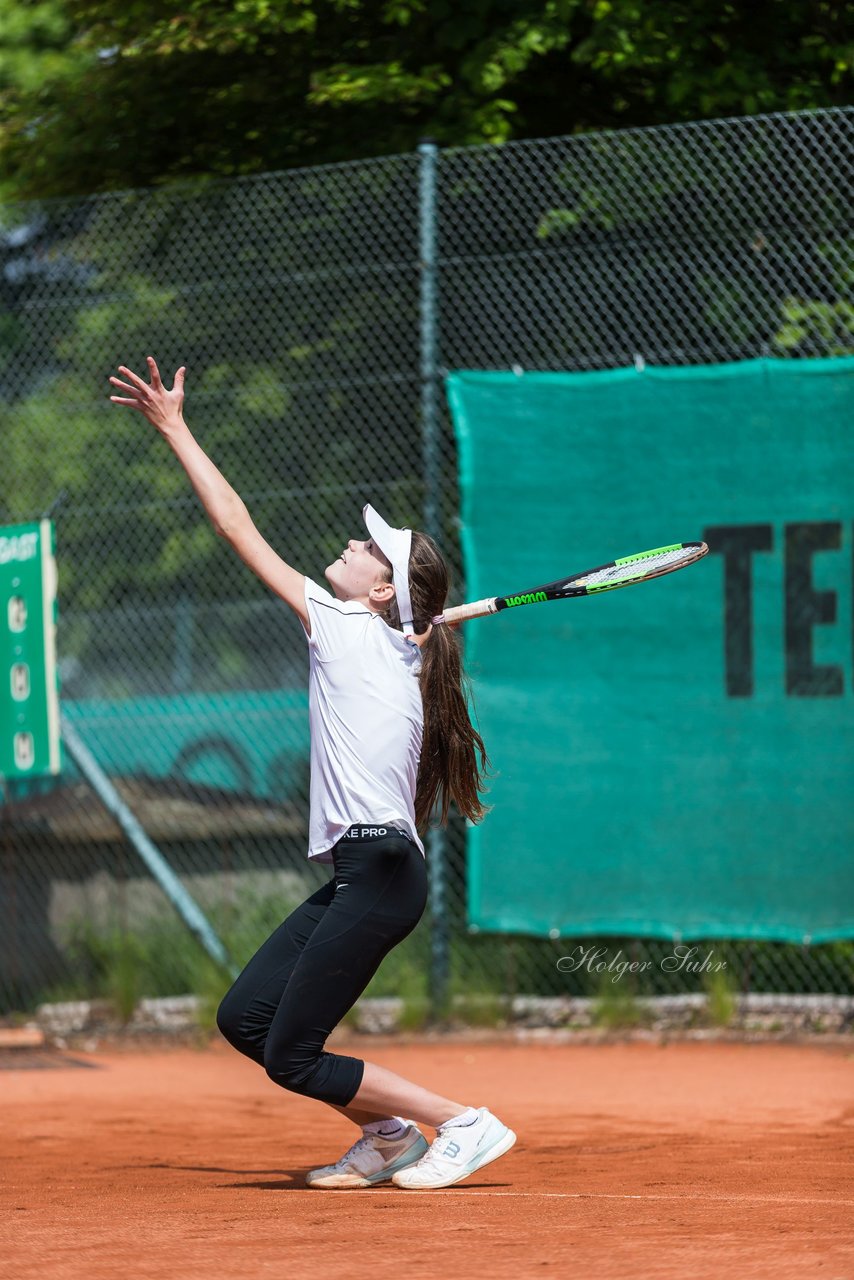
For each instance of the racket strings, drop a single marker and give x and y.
(640, 567)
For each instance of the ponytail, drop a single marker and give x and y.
(453, 758)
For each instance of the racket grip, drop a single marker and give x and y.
(477, 609)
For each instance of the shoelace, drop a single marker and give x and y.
(436, 1150)
(358, 1145)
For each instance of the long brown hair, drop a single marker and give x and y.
(453, 757)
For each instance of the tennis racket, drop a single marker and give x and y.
(619, 573)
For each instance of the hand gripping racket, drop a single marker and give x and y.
(619, 573)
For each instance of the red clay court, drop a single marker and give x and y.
(633, 1160)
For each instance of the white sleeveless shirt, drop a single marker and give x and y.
(366, 719)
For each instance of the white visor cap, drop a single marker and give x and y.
(395, 544)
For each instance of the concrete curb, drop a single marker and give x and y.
(656, 1015)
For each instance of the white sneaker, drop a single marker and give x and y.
(457, 1152)
(371, 1159)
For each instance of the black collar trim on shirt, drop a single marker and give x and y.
(360, 613)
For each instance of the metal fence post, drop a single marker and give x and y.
(436, 844)
(181, 900)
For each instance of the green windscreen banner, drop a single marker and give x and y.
(674, 759)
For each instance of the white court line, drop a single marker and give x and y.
(598, 1195)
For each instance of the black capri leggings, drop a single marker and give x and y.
(315, 966)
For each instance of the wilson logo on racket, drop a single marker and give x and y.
(533, 597)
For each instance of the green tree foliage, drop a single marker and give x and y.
(102, 96)
(293, 301)
(282, 363)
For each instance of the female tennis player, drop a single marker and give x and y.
(391, 740)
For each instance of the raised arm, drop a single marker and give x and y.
(225, 508)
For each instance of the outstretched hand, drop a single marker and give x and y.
(162, 408)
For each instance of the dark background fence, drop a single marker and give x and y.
(316, 311)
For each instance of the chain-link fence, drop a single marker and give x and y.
(316, 311)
